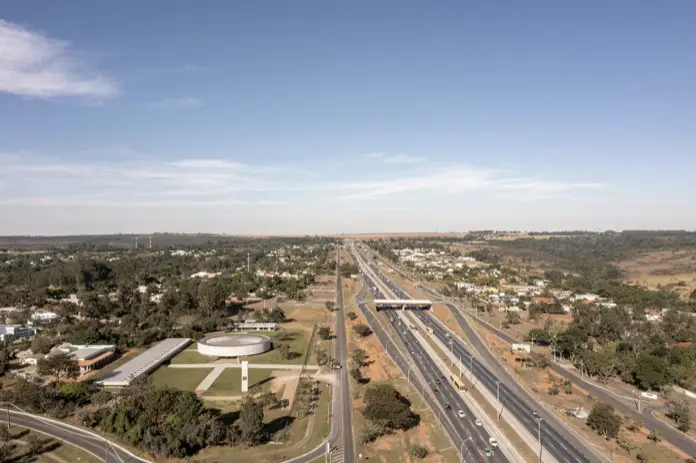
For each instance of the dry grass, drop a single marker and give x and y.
(663, 269)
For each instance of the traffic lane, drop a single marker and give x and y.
(550, 438)
(402, 363)
(96, 446)
(521, 392)
(554, 441)
(346, 409)
(448, 394)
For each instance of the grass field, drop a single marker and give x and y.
(298, 349)
(185, 379)
(230, 381)
(190, 356)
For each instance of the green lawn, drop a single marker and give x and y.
(190, 356)
(230, 381)
(298, 349)
(186, 379)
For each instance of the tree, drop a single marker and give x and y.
(651, 372)
(358, 356)
(679, 412)
(5, 453)
(385, 406)
(277, 315)
(251, 421)
(352, 315)
(418, 451)
(59, 365)
(554, 389)
(324, 333)
(41, 345)
(322, 356)
(4, 433)
(356, 374)
(568, 386)
(643, 457)
(34, 444)
(284, 351)
(603, 420)
(655, 436)
(362, 330)
(513, 318)
(330, 306)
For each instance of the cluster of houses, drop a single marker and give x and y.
(433, 263)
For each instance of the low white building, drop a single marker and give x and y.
(44, 316)
(9, 333)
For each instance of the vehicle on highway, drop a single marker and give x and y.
(478, 422)
(492, 441)
(488, 452)
(435, 390)
(461, 413)
(337, 366)
(448, 407)
(535, 414)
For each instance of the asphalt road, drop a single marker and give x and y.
(346, 410)
(470, 439)
(91, 443)
(561, 443)
(675, 437)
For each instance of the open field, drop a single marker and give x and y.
(298, 341)
(674, 270)
(185, 379)
(230, 381)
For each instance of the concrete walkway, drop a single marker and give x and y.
(210, 379)
(269, 366)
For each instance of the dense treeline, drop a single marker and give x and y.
(136, 298)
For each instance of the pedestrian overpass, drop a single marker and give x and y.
(403, 304)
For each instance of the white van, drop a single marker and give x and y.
(493, 442)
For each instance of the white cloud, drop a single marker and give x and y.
(177, 103)
(33, 65)
(396, 158)
(403, 159)
(30, 180)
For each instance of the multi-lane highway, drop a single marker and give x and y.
(344, 384)
(449, 407)
(680, 440)
(558, 441)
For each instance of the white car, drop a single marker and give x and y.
(488, 452)
(478, 422)
(493, 442)
(461, 413)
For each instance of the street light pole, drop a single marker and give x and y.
(500, 408)
(539, 437)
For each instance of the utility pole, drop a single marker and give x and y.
(248, 262)
(9, 424)
(150, 241)
(136, 242)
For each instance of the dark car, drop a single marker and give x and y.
(447, 407)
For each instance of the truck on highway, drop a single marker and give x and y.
(429, 329)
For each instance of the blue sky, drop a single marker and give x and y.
(328, 117)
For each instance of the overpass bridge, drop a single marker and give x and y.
(402, 303)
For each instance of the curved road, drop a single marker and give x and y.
(88, 441)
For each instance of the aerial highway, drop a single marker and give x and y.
(684, 442)
(341, 344)
(446, 402)
(561, 443)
